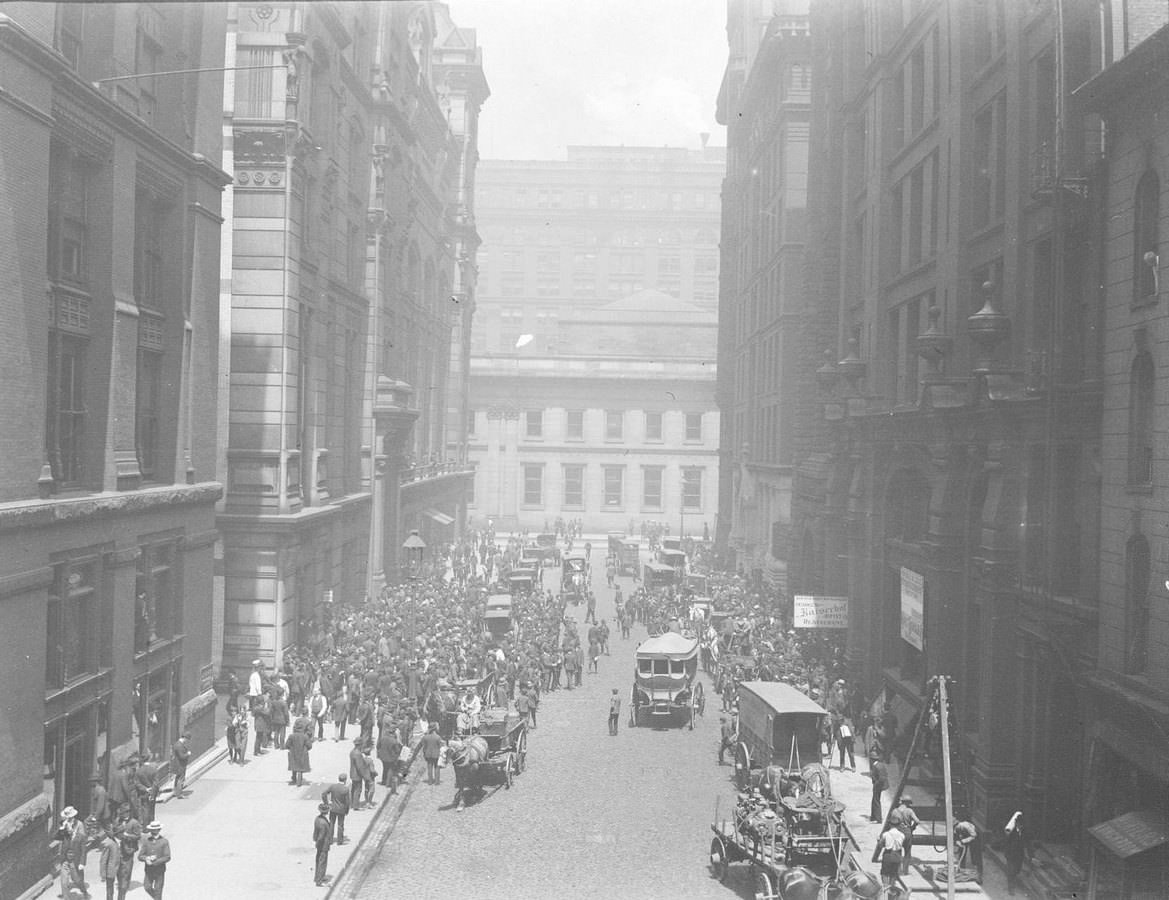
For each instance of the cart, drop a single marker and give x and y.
(767, 840)
(629, 559)
(507, 744)
(443, 704)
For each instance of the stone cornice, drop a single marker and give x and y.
(57, 511)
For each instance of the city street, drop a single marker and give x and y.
(592, 815)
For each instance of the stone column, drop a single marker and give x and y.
(394, 418)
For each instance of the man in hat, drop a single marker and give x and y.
(726, 738)
(256, 683)
(322, 840)
(99, 801)
(72, 848)
(614, 711)
(431, 751)
(180, 757)
(357, 772)
(146, 785)
(122, 785)
(128, 833)
(111, 856)
(155, 853)
(337, 796)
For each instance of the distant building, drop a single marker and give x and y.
(617, 431)
(605, 223)
(109, 334)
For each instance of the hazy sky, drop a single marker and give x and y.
(562, 72)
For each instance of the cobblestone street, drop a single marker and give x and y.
(592, 815)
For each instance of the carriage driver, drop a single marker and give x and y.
(469, 709)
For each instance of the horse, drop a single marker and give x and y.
(466, 755)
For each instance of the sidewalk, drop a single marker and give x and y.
(854, 790)
(243, 831)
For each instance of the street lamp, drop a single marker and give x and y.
(414, 547)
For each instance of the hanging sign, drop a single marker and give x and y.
(912, 607)
(819, 612)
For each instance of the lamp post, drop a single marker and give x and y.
(415, 547)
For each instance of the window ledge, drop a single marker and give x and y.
(1149, 301)
(1142, 488)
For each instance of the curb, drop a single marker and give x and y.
(365, 852)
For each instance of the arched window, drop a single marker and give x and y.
(1140, 420)
(1146, 212)
(1136, 606)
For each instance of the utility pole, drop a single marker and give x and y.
(944, 724)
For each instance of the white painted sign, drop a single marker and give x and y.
(819, 612)
(912, 607)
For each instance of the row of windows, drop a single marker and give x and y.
(568, 236)
(535, 426)
(629, 198)
(73, 247)
(573, 484)
(79, 608)
(513, 263)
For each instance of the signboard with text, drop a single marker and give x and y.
(819, 612)
(912, 607)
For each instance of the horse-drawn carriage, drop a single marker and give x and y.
(444, 705)
(665, 684)
(574, 576)
(522, 581)
(493, 756)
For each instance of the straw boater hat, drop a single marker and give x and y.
(154, 826)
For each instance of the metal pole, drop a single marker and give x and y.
(187, 72)
(944, 724)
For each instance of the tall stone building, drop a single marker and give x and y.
(955, 499)
(343, 265)
(763, 325)
(1127, 690)
(109, 327)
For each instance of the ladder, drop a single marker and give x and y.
(937, 729)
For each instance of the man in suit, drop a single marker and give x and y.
(322, 839)
(180, 756)
(356, 773)
(146, 784)
(337, 796)
(389, 749)
(155, 853)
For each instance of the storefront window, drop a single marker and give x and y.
(72, 639)
(155, 606)
(154, 711)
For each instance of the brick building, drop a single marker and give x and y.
(110, 345)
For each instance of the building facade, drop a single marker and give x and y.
(618, 432)
(577, 234)
(764, 330)
(956, 497)
(343, 266)
(1127, 691)
(108, 480)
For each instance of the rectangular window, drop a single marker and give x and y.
(65, 415)
(73, 642)
(574, 425)
(693, 426)
(533, 484)
(691, 488)
(148, 412)
(614, 486)
(70, 31)
(573, 487)
(670, 265)
(68, 214)
(149, 61)
(156, 608)
(534, 423)
(614, 425)
(651, 488)
(916, 214)
(653, 426)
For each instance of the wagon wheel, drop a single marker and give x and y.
(742, 767)
(508, 765)
(719, 864)
(764, 885)
(700, 699)
(521, 751)
(693, 707)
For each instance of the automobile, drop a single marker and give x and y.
(665, 688)
(675, 559)
(545, 545)
(629, 559)
(698, 584)
(615, 540)
(655, 575)
(574, 579)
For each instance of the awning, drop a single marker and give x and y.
(1132, 833)
(438, 516)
